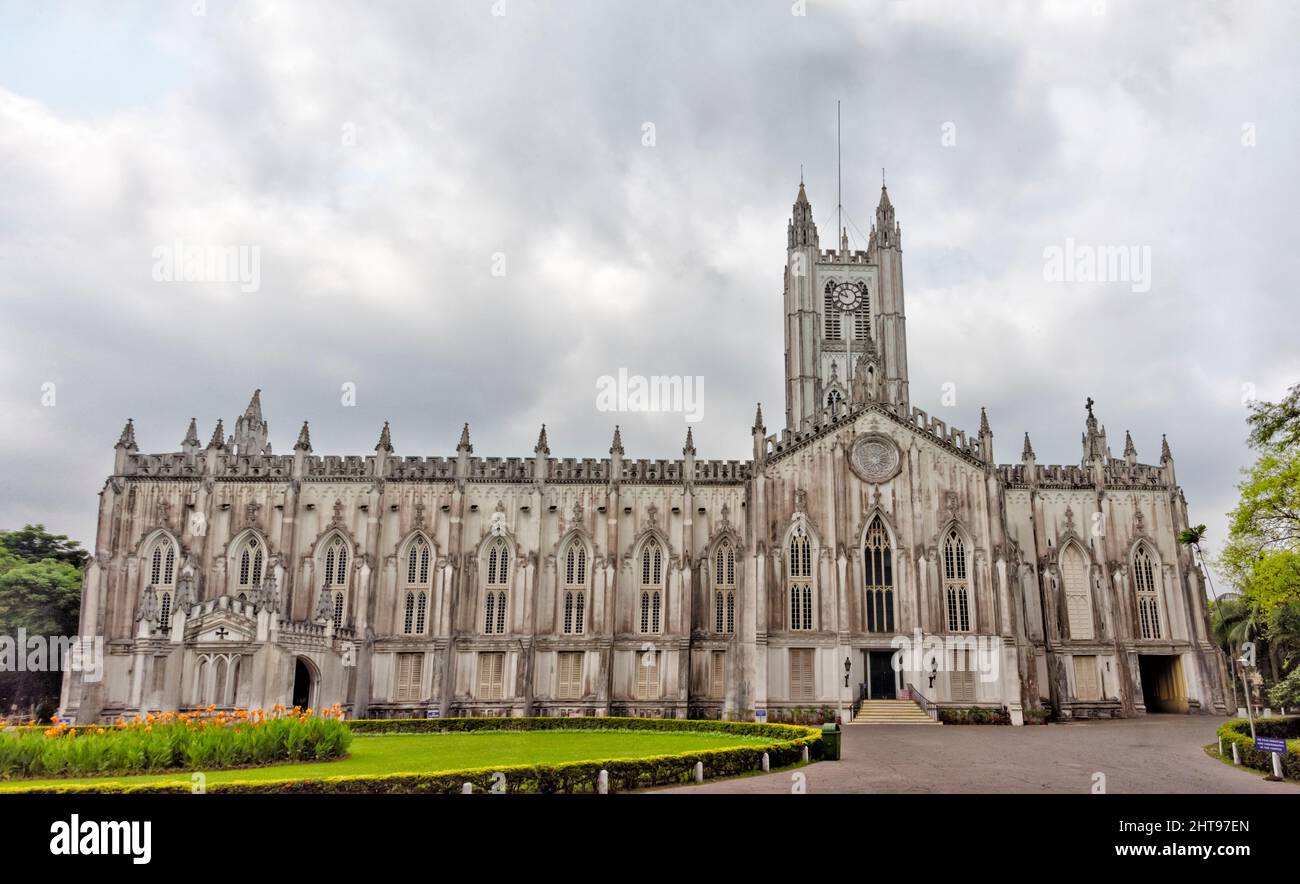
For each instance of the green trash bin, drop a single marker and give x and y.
(831, 741)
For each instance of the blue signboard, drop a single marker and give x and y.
(1270, 744)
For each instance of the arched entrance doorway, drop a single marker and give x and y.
(304, 683)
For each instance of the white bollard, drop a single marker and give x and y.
(1220, 747)
(467, 789)
(1268, 713)
(767, 763)
(1236, 757)
(805, 754)
(602, 783)
(1241, 711)
(1277, 764)
(699, 771)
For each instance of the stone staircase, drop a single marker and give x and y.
(891, 712)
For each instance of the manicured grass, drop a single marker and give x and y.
(432, 753)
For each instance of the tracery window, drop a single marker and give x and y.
(336, 579)
(575, 588)
(415, 597)
(496, 588)
(724, 588)
(956, 584)
(1144, 576)
(652, 588)
(878, 578)
(800, 572)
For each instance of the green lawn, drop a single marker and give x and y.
(432, 753)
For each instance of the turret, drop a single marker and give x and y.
(986, 438)
(124, 448)
(616, 457)
(760, 437)
(250, 429)
(383, 450)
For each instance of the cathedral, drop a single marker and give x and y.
(865, 551)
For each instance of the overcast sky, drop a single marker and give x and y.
(384, 158)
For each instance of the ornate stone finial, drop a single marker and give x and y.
(185, 599)
(419, 514)
(542, 449)
(497, 527)
(463, 444)
(1028, 451)
(160, 513)
(385, 440)
(1130, 450)
(759, 426)
(338, 512)
(800, 500)
(950, 503)
(254, 409)
(617, 446)
(191, 439)
(875, 497)
(251, 511)
(726, 516)
(218, 440)
(984, 422)
(304, 439)
(652, 515)
(1138, 519)
(1069, 519)
(1165, 455)
(127, 439)
(269, 595)
(690, 443)
(577, 512)
(1088, 405)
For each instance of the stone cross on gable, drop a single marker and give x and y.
(1088, 405)
(222, 633)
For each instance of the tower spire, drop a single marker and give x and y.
(385, 440)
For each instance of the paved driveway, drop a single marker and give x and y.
(1158, 753)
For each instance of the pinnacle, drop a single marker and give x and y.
(192, 434)
(1164, 449)
(218, 436)
(385, 440)
(984, 422)
(690, 442)
(617, 446)
(254, 408)
(759, 426)
(1029, 449)
(1129, 447)
(127, 439)
(463, 444)
(542, 447)
(304, 439)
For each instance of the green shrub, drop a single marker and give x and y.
(1238, 731)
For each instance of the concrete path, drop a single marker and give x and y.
(1158, 753)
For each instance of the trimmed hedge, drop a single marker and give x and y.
(1238, 731)
(625, 774)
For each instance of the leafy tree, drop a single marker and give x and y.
(1287, 691)
(34, 544)
(1276, 424)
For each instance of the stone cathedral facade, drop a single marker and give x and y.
(419, 585)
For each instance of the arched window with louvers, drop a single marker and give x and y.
(651, 594)
(724, 588)
(1146, 571)
(878, 577)
(799, 570)
(575, 564)
(160, 573)
(336, 568)
(496, 586)
(417, 574)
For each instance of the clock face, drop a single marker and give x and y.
(848, 295)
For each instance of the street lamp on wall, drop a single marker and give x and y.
(848, 667)
(934, 669)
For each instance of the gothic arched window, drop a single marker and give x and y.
(336, 579)
(1078, 598)
(724, 588)
(575, 588)
(956, 584)
(834, 399)
(249, 563)
(878, 578)
(415, 597)
(652, 588)
(161, 560)
(1144, 577)
(800, 570)
(496, 587)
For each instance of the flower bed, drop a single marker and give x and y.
(207, 740)
(786, 747)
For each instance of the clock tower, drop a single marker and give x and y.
(845, 329)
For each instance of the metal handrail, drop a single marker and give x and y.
(921, 700)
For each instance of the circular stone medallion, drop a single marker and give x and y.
(874, 457)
